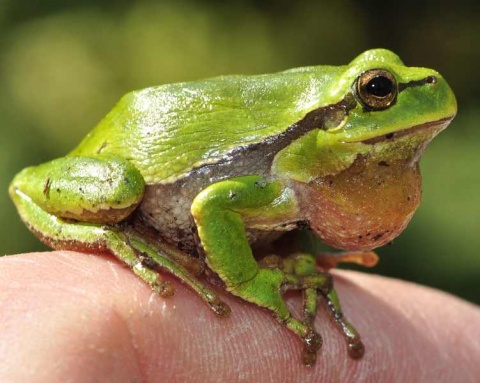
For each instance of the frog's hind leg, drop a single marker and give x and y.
(143, 258)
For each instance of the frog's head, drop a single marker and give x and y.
(375, 106)
(383, 98)
(360, 180)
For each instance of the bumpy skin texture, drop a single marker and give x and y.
(211, 168)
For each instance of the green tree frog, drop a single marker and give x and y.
(199, 177)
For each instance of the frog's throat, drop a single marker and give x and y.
(370, 201)
(365, 206)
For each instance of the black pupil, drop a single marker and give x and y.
(380, 86)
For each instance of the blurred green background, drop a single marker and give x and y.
(64, 64)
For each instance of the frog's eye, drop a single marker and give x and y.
(376, 89)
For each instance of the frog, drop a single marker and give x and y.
(202, 180)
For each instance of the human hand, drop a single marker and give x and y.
(73, 317)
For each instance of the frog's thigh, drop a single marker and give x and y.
(95, 190)
(88, 189)
(66, 235)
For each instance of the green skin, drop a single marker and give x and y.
(248, 157)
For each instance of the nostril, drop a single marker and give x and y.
(431, 80)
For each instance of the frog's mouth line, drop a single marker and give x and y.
(437, 126)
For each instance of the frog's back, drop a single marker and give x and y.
(167, 131)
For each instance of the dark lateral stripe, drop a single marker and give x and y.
(320, 118)
(265, 150)
(427, 80)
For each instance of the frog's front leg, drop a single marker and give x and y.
(76, 203)
(220, 212)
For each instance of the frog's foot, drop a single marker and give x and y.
(300, 273)
(146, 260)
(265, 289)
(151, 258)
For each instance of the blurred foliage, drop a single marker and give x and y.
(64, 64)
